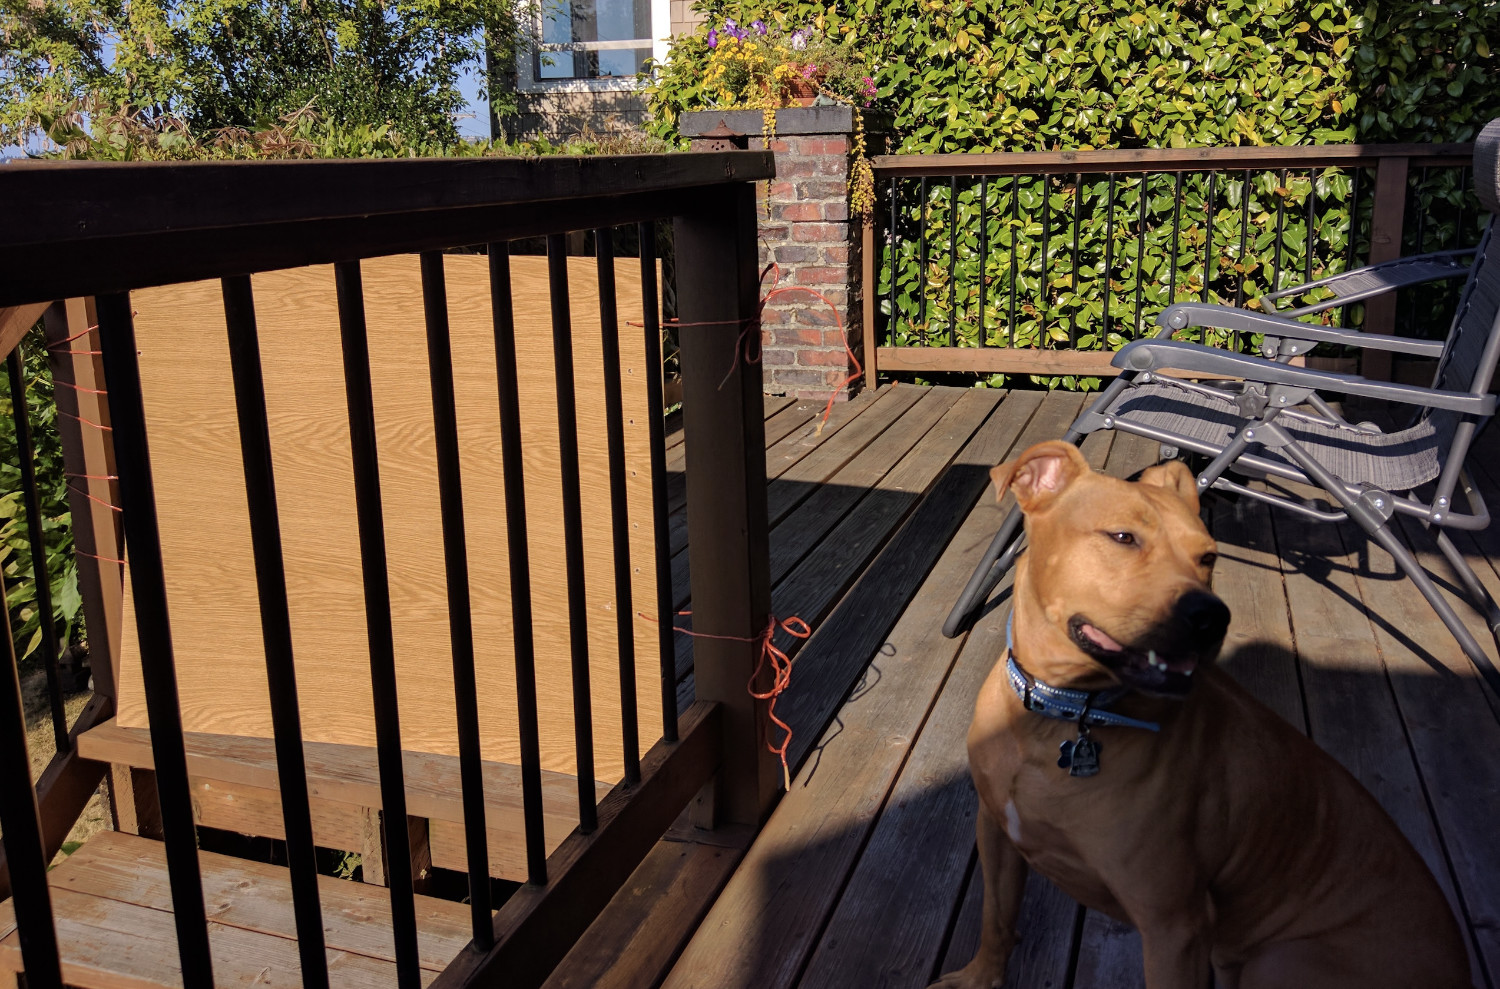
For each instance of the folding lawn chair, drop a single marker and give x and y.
(1273, 424)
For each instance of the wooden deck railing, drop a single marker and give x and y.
(97, 232)
(976, 263)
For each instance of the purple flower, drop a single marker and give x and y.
(730, 25)
(799, 41)
(760, 26)
(713, 38)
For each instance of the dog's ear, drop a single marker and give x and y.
(1039, 473)
(1174, 476)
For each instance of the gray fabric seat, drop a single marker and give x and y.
(1398, 461)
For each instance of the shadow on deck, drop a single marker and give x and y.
(865, 874)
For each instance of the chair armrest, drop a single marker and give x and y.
(1376, 279)
(1156, 355)
(1185, 314)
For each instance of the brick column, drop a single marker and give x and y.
(808, 234)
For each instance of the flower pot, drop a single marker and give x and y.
(802, 92)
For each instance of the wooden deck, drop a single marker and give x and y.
(865, 875)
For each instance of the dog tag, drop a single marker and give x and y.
(1080, 757)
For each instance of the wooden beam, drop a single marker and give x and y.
(1386, 221)
(65, 787)
(16, 321)
(1011, 360)
(89, 456)
(1171, 159)
(728, 527)
(539, 924)
(868, 283)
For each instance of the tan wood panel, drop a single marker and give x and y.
(346, 776)
(205, 533)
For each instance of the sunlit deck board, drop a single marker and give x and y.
(865, 872)
(115, 926)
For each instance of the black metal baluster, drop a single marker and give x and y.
(984, 256)
(1073, 319)
(1043, 306)
(1015, 234)
(22, 826)
(158, 664)
(572, 519)
(1310, 242)
(460, 610)
(614, 424)
(1246, 190)
(359, 396)
(275, 622)
(665, 637)
(1176, 240)
(1281, 191)
(952, 260)
(1140, 252)
(1208, 239)
(1458, 227)
(1349, 248)
(1411, 294)
(37, 541)
(1109, 255)
(922, 263)
(893, 320)
(519, 562)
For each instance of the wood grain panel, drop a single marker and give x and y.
(205, 532)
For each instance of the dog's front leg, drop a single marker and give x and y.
(1178, 954)
(1004, 872)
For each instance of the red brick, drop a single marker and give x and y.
(831, 165)
(811, 188)
(787, 254)
(783, 190)
(817, 233)
(799, 212)
(831, 358)
(791, 167)
(779, 147)
(817, 274)
(836, 255)
(777, 355)
(805, 378)
(773, 233)
(773, 316)
(836, 210)
(834, 338)
(824, 145)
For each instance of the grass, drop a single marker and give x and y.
(41, 746)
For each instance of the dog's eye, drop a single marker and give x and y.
(1208, 560)
(1123, 538)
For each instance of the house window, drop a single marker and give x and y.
(593, 39)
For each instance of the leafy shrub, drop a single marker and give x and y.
(986, 75)
(52, 485)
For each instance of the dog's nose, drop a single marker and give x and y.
(1206, 617)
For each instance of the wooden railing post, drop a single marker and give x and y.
(1386, 220)
(728, 545)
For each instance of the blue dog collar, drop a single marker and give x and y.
(1089, 708)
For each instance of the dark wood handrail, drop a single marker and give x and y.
(1170, 159)
(87, 228)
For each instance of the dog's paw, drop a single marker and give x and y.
(971, 976)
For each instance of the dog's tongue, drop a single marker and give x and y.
(1100, 639)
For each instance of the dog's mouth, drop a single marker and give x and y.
(1143, 669)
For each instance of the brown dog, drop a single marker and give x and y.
(1189, 810)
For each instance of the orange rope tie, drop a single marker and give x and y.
(781, 666)
(104, 559)
(86, 422)
(93, 477)
(75, 488)
(76, 336)
(88, 391)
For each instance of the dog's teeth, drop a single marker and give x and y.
(1151, 658)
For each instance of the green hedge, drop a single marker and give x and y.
(981, 75)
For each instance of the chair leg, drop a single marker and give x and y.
(1479, 595)
(1419, 576)
(1381, 532)
(997, 561)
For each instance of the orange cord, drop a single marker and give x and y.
(781, 666)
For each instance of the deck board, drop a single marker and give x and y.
(865, 874)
